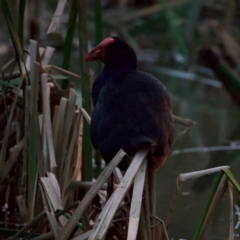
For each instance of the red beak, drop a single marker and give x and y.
(98, 52)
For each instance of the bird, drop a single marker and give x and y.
(132, 109)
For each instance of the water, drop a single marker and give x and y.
(191, 203)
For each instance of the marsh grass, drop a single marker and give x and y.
(46, 152)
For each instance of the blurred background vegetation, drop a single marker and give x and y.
(193, 47)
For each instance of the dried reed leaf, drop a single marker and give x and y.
(159, 227)
(11, 232)
(118, 175)
(26, 138)
(47, 127)
(29, 225)
(191, 175)
(85, 222)
(54, 183)
(46, 207)
(27, 61)
(22, 208)
(69, 113)
(146, 207)
(8, 165)
(54, 123)
(102, 195)
(206, 149)
(232, 179)
(43, 131)
(53, 224)
(230, 45)
(68, 161)
(8, 127)
(85, 114)
(181, 136)
(47, 56)
(52, 196)
(18, 127)
(59, 124)
(136, 202)
(142, 230)
(12, 28)
(184, 121)
(172, 207)
(67, 229)
(48, 68)
(41, 52)
(213, 201)
(58, 77)
(83, 236)
(77, 173)
(9, 66)
(57, 16)
(44, 236)
(102, 224)
(152, 198)
(34, 136)
(34, 57)
(67, 209)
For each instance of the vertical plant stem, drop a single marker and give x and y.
(98, 27)
(8, 127)
(26, 139)
(33, 140)
(98, 39)
(142, 230)
(231, 227)
(146, 206)
(193, 14)
(174, 30)
(68, 40)
(152, 197)
(22, 4)
(86, 99)
(218, 191)
(12, 28)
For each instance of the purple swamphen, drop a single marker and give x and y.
(132, 109)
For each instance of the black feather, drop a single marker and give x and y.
(132, 108)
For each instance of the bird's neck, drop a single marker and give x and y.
(107, 75)
(114, 71)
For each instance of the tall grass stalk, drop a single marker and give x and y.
(33, 135)
(175, 33)
(12, 28)
(218, 190)
(69, 39)
(86, 98)
(98, 27)
(22, 4)
(98, 39)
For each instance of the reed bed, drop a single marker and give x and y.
(46, 179)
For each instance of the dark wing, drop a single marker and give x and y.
(132, 112)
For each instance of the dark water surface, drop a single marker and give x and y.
(191, 203)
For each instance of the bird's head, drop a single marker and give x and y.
(113, 51)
